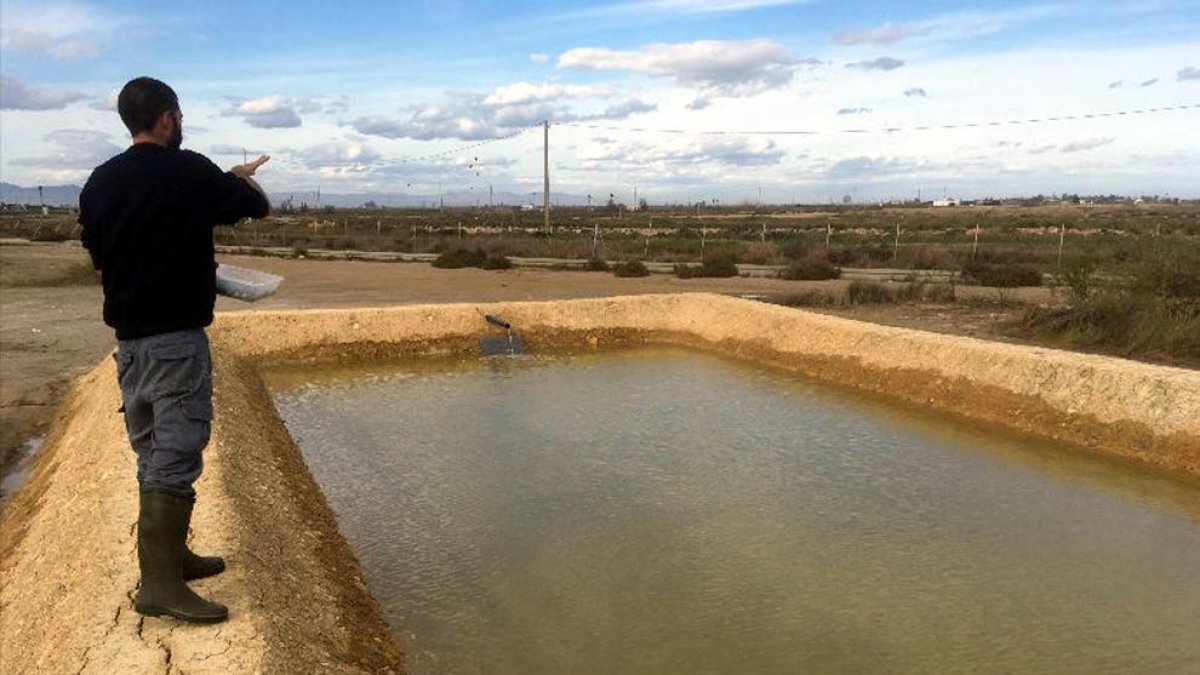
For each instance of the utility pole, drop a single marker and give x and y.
(1062, 235)
(546, 174)
(490, 203)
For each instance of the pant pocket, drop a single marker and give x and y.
(174, 370)
(123, 360)
(183, 424)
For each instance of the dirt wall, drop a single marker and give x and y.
(1123, 408)
(67, 540)
(68, 558)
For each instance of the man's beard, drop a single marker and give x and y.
(176, 139)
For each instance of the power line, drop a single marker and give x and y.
(464, 148)
(886, 130)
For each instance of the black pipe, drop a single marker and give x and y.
(497, 321)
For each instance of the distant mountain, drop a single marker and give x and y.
(409, 200)
(68, 195)
(55, 195)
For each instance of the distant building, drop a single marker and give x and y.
(946, 202)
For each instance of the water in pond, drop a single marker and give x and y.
(670, 512)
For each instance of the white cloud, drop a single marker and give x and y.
(267, 112)
(1149, 83)
(1090, 144)
(716, 67)
(642, 9)
(853, 111)
(881, 63)
(62, 31)
(915, 91)
(507, 109)
(228, 149)
(108, 103)
(624, 108)
(73, 154)
(524, 92)
(16, 95)
(1188, 73)
(338, 153)
(887, 34)
(681, 154)
(957, 25)
(539, 58)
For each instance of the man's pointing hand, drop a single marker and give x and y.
(247, 170)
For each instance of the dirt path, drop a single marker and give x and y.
(51, 329)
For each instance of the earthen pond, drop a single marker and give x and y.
(668, 511)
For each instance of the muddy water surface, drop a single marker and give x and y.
(670, 512)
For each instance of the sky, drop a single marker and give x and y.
(413, 97)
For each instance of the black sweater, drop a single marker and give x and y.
(147, 217)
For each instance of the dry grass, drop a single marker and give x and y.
(69, 274)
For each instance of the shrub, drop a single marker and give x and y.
(939, 293)
(1003, 275)
(459, 258)
(595, 265)
(1172, 273)
(810, 269)
(685, 271)
(794, 249)
(299, 250)
(805, 299)
(1077, 276)
(841, 256)
(717, 266)
(869, 293)
(630, 268)
(496, 261)
(1129, 324)
(51, 234)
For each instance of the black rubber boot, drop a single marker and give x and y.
(162, 535)
(201, 566)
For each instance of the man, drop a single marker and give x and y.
(147, 217)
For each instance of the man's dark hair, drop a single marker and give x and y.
(142, 100)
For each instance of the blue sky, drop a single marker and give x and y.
(371, 96)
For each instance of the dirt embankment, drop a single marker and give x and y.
(67, 553)
(1140, 411)
(68, 560)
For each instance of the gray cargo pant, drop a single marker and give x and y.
(166, 392)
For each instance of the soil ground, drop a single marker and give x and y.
(51, 328)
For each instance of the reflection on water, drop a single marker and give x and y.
(669, 512)
(19, 470)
